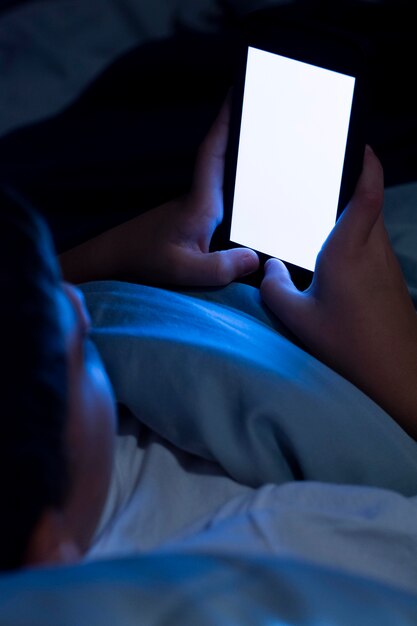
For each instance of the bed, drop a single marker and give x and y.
(316, 486)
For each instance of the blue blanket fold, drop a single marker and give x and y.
(210, 372)
(185, 590)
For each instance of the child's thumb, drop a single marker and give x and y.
(279, 292)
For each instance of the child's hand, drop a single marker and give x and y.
(178, 234)
(169, 245)
(357, 315)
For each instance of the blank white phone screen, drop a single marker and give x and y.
(295, 121)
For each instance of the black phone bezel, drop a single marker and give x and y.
(318, 49)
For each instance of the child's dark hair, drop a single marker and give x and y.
(33, 397)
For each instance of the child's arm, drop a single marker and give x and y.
(169, 244)
(357, 316)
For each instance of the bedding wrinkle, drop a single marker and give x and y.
(166, 490)
(317, 523)
(59, 49)
(231, 407)
(123, 484)
(249, 400)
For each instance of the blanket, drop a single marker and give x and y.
(209, 373)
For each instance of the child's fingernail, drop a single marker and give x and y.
(269, 265)
(249, 261)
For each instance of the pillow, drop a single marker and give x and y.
(211, 372)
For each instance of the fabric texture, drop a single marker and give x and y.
(186, 589)
(163, 499)
(224, 385)
(156, 493)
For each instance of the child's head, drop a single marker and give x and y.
(57, 417)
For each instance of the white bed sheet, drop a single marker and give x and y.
(165, 499)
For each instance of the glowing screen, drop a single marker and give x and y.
(295, 121)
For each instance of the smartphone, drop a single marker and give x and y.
(295, 149)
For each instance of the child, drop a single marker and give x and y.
(58, 436)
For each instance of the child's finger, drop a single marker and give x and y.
(365, 208)
(281, 295)
(209, 168)
(216, 268)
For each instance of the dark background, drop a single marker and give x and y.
(128, 142)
